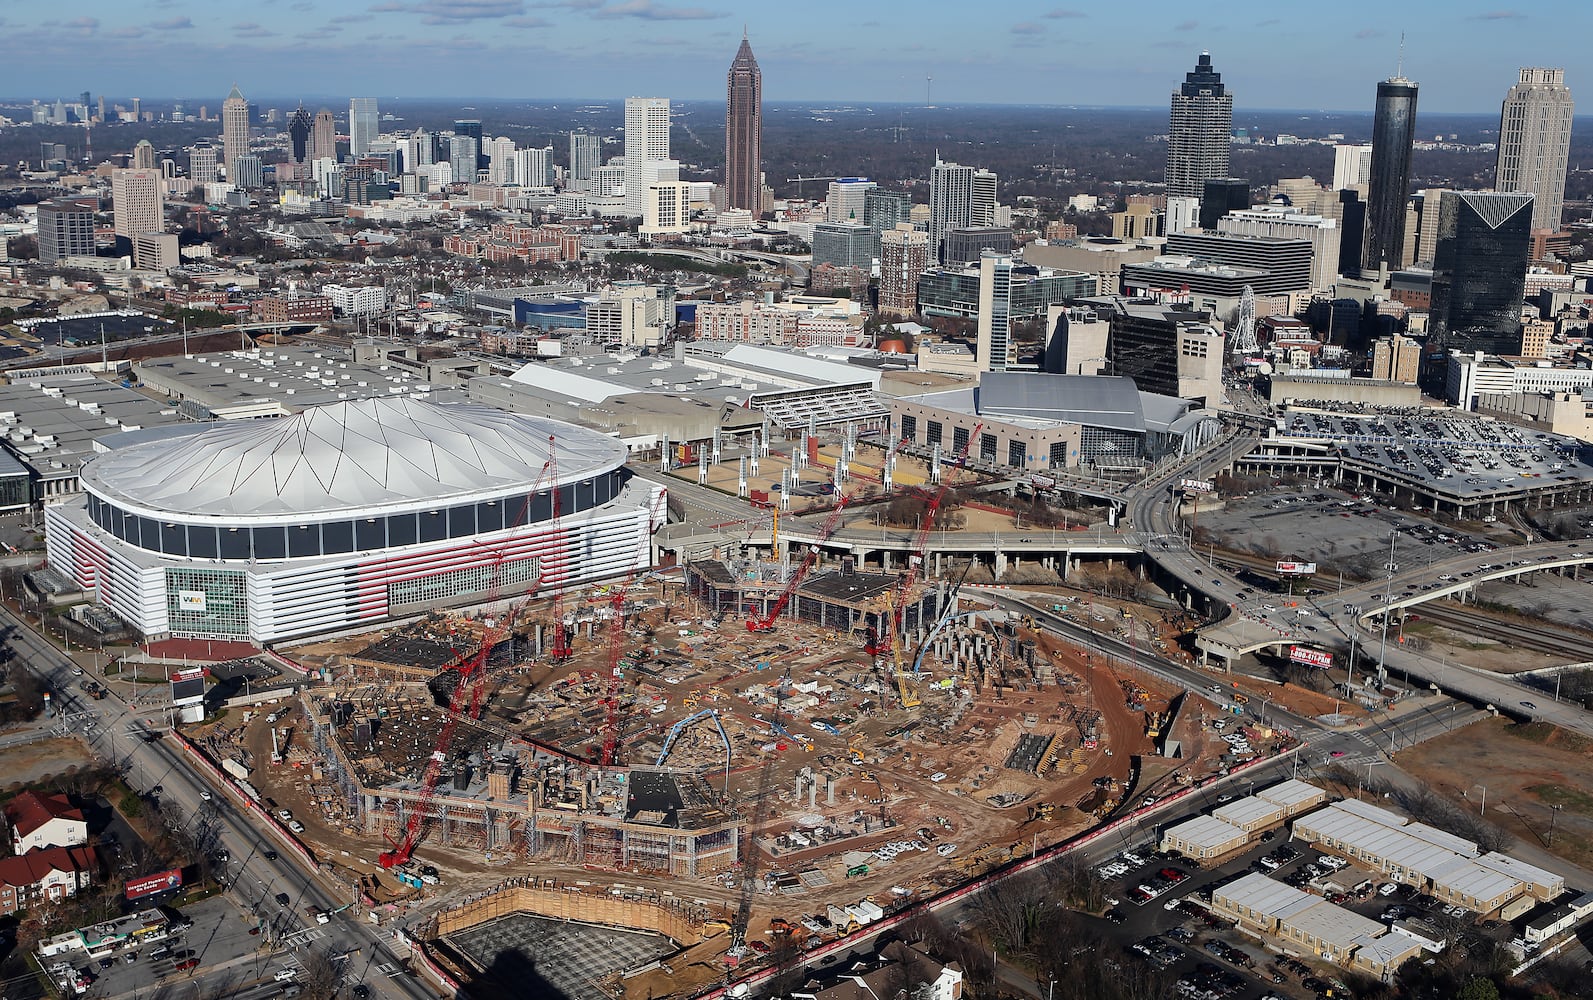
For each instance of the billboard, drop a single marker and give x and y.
(1311, 657)
(190, 600)
(187, 687)
(1195, 485)
(148, 885)
(1287, 568)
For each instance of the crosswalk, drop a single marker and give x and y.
(304, 936)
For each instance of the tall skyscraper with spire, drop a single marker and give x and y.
(744, 132)
(299, 128)
(234, 131)
(1198, 130)
(1388, 182)
(1535, 143)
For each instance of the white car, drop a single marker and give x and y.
(204, 793)
(286, 975)
(938, 776)
(946, 850)
(296, 826)
(1387, 889)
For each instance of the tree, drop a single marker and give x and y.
(1478, 989)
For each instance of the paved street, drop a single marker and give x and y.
(254, 877)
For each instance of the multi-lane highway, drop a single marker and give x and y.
(259, 866)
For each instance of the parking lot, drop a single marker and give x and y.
(1462, 456)
(219, 937)
(1165, 918)
(1338, 530)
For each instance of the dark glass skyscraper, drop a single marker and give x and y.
(1388, 187)
(1480, 271)
(299, 129)
(472, 128)
(744, 132)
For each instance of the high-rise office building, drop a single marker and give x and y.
(646, 138)
(586, 155)
(364, 124)
(1388, 184)
(993, 346)
(843, 244)
(234, 131)
(847, 200)
(462, 153)
(1221, 195)
(666, 208)
(202, 161)
(501, 165)
(136, 202)
(744, 132)
(66, 229)
(1429, 200)
(472, 128)
(904, 255)
(1352, 165)
(950, 202)
(143, 155)
(323, 137)
(1480, 271)
(300, 127)
(1198, 130)
(248, 172)
(982, 199)
(1535, 143)
(884, 211)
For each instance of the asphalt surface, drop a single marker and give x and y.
(254, 879)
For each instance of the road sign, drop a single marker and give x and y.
(1196, 486)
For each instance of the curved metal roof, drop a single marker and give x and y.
(386, 452)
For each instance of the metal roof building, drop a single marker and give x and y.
(1329, 931)
(1387, 849)
(1543, 884)
(1469, 884)
(1250, 814)
(1259, 902)
(1204, 837)
(1294, 795)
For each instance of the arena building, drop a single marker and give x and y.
(345, 515)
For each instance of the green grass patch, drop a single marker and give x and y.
(1565, 797)
(1549, 735)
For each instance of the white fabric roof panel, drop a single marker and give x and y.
(1207, 831)
(1250, 809)
(1290, 793)
(356, 455)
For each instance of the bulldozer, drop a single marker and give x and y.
(1041, 811)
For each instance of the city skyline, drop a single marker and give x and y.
(1050, 55)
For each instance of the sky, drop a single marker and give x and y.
(1289, 55)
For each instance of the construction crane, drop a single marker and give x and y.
(766, 623)
(681, 726)
(751, 862)
(616, 648)
(560, 650)
(470, 688)
(890, 637)
(940, 623)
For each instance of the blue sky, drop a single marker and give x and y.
(1464, 53)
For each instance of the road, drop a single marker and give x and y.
(255, 876)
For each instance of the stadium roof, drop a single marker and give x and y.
(357, 454)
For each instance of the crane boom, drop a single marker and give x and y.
(616, 647)
(892, 638)
(831, 523)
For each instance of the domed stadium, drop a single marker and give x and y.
(344, 515)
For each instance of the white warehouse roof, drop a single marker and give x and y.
(1464, 877)
(1334, 924)
(1207, 831)
(1250, 809)
(1257, 892)
(1291, 793)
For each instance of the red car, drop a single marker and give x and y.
(187, 963)
(759, 947)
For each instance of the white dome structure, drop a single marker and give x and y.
(344, 515)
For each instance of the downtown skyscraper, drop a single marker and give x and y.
(1388, 183)
(1198, 130)
(951, 189)
(363, 125)
(234, 132)
(646, 146)
(744, 132)
(1535, 143)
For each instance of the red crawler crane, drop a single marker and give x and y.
(766, 623)
(468, 695)
(890, 638)
(616, 647)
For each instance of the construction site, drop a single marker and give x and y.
(769, 753)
